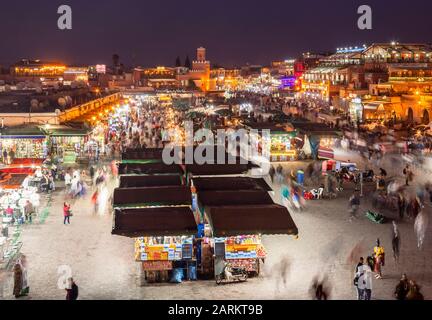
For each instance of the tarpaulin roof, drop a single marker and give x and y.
(148, 222)
(22, 132)
(158, 196)
(150, 181)
(320, 129)
(230, 183)
(231, 197)
(216, 169)
(149, 168)
(66, 131)
(251, 219)
(143, 154)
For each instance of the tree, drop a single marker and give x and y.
(178, 62)
(187, 63)
(116, 59)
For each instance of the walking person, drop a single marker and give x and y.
(408, 174)
(401, 205)
(364, 282)
(402, 288)
(272, 173)
(279, 173)
(360, 292)
(66, 213)
(28, 211)
(68, 181)
(414, 291)
(18, 280)
(71, 290)
(379, 259)
(395, 241)
(95, 202)
(354, 202)
(420, 226)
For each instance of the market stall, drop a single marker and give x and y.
(237, 230)
(321, 138)
(66, 142)
(25, 141)
(281, 139)
(163, 241)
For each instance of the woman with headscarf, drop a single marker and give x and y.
(23, 264)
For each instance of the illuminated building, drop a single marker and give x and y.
(332, 73)
(285, 68)
(158, 78)
(226, 79)
(37, 68)
(199, 74)
(406, 91)
(75, 74)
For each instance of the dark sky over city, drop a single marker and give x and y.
(234, 32)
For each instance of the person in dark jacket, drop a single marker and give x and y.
(414, 291)
(72, 290)
(402, 288)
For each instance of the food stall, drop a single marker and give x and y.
(321, 138)
(242, 251)
(66, 142)
(237, 233)
(163, 240)
(281, 139)
(26, 142)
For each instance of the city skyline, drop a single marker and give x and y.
(234, 34)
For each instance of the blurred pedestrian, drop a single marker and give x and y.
(354, 203)
(401, 205)
(72, 290)
(94, 201)
(28, 211)
(318, 290)
(414, 291)
(272, 173)
(420, 226)
(395, 241)
(18, 280)
(402, 288)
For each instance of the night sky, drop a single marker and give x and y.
(234, 32)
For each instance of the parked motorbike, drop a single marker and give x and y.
(231, 274)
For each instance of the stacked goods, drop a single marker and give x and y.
(375, 217)
(207, 266)
(157, 252)
(244, 247)
(250, 265)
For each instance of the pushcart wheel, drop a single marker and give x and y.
(244, 276)
(218, 280)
